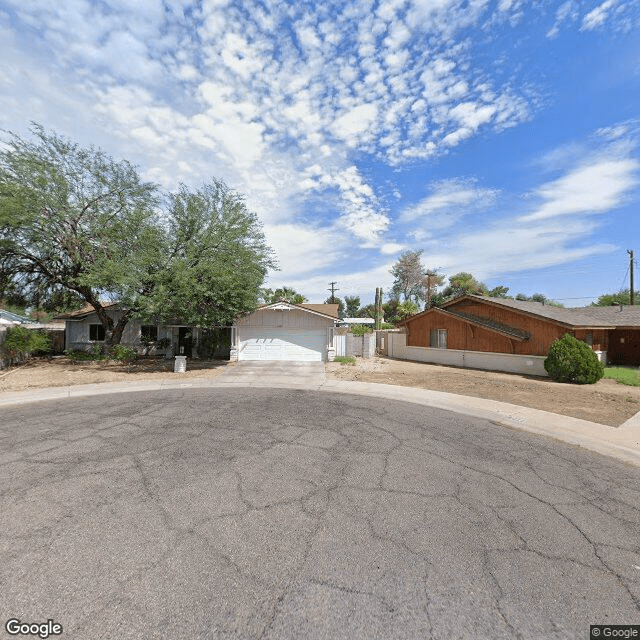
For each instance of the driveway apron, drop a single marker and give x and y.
(308, 375)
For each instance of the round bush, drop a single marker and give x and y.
(123, 353)
(571, 360)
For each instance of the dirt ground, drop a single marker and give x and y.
(59, 371)
(606, 402)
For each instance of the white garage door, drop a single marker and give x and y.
(281, 344)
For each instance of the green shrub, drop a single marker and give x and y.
(123, 353)
(571, 360)
(20, 340)
(360, 329)
(211, 341)
(387, 325)
(345, 359)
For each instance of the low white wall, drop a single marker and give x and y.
(511, 363)
(362, 346)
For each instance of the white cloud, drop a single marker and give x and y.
(511, 245)
(594, 187)
(389, 248)
(283, 104)
(567, 10)
(448, 201)
(302, 250)
(597, 16)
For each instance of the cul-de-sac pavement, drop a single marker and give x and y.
(251, 512)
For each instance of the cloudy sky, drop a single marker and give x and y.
(499, 136)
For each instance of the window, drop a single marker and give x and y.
(149, 332)
(588, 338)
(96, 332)
(438, 338)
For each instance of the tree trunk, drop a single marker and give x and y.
(118, 330)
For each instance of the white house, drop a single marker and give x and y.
(285, 331)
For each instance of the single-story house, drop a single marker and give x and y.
(499, 325)
(285, 331)
(280, 331)
(83, 329)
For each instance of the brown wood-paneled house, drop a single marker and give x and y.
(500, 325)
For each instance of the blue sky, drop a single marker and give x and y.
(499, 136)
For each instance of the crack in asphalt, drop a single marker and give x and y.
(384, 474)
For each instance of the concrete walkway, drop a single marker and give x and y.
(619, 442)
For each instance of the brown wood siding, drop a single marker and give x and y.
(598, 337)
(624, 347)
(463, 335)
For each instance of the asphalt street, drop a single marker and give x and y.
(277, 513)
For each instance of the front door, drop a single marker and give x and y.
(184, 341)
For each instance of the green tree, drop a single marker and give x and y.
(405, 309)
(409, 277)
(499, 292)
(462, 284)
(216, 259)
(538, 297)
(352, 306)
(74, 220)
(432, 282)
(271, 296)
(621, 297)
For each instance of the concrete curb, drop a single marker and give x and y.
(621, 442)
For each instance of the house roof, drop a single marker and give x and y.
(7, 317)
(578, 317)
(487, 323)
(85, 311)
(327, 310)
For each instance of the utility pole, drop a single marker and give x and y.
(432, 280)
(631, 295)
(333, 290)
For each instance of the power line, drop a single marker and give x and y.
(579, 298)
(624, 279)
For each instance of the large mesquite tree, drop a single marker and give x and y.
(74, 218)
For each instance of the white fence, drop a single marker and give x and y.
(340, 344)
(396, 347)
(3, 363)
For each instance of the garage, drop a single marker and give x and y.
(284, 331)
(306, 346)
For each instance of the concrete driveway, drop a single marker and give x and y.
(307, 375)
(242, 513)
